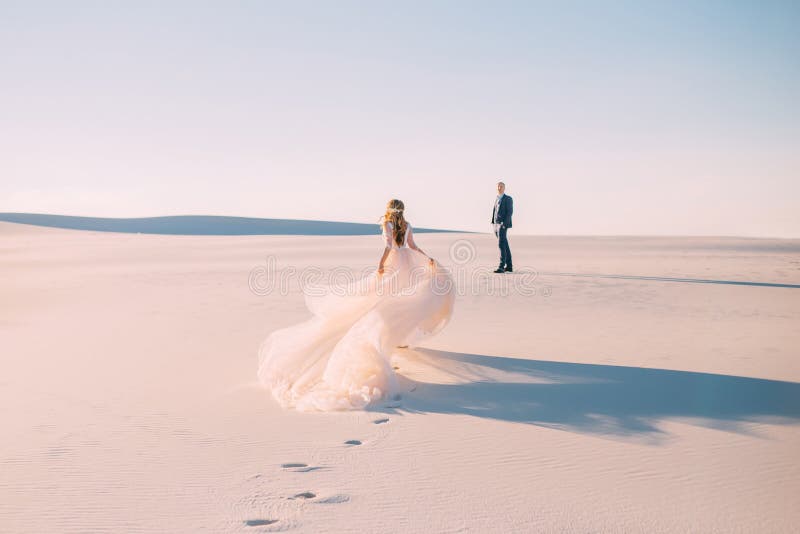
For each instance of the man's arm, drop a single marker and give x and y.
(504, 211)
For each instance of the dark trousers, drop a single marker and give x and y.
(505, 251)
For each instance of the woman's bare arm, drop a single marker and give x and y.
(413, 244)
(383, 259)
(388, 236)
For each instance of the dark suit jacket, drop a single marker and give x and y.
(505, 211)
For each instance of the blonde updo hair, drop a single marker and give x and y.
(394, 215)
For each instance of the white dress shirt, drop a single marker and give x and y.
(495, 224)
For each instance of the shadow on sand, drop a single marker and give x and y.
(672, 279)
(595, 399)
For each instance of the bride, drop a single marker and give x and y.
(340, 358)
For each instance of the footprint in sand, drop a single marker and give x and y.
(259, 522)
(352, 442)
(380, 421)
(334, 499)
(300, 467)
(304, 495)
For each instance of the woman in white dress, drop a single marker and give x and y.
(340, 358)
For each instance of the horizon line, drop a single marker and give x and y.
(30, 218)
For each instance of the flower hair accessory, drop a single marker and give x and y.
(394, 210)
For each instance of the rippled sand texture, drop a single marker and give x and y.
(647, 385)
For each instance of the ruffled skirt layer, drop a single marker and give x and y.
(340, 358)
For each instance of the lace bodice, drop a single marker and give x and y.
(388, 236)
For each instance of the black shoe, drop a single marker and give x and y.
(509, 269)
(499, 270)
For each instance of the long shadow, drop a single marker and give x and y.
(200, 225)
(596, 399)
(672, 279)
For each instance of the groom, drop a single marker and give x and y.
(501, 220)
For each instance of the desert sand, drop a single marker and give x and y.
(635, 389)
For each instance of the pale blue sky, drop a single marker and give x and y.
(601, 117)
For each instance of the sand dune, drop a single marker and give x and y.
(646, 385)
(197, 225)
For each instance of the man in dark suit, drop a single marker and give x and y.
(501, 220)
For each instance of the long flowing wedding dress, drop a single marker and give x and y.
(340, 358)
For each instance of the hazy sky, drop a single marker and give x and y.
(609, 117)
